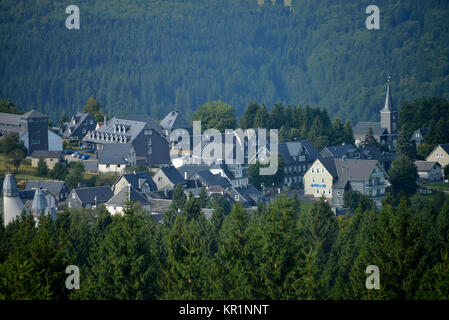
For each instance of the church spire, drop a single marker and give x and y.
(388, 101)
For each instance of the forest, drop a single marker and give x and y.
(282, 251)
(150, 56)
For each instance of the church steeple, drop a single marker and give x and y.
(388, 101)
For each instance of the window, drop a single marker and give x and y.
(338, 192)
(329, 191)
(84, 130)
(313, 179)
(237, 197)
(442, 155)
(317, 191)
(322, 170)
(313, 171)
(147, 132)
(91, 121)
(35, 141)
(437, 155)
(73, 196)
(322, 180)
(108, 165)
(70, 204)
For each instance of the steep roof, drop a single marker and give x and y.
(388, 106)
(337, 151)
(10, 186)
(142, 118)
(114, 153)
(46, 154)
(329, 164)
(362, 128)
(212, 179)
(127, 194)
(10, 118)
(425, 165)
(174, 120)
(54, 187)
(354, 170)
(88, 194)
(289, 150)
(445, 147)
(33, 114)
(173, 175)
(133, 179)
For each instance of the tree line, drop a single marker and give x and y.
(278, 252)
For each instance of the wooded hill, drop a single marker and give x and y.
(150, 56)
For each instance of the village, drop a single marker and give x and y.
(134, 158)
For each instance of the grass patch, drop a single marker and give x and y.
(25, 172)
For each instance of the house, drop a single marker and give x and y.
(117, 202)
(174, 121)
(114, 158)
(79, 126)
(59, 189)
(236, 174)
(140, 181)
(89, 197)
(428, 171)
(349, 151)
(33, 130)
(419, 135)
(138, 139)
(166, 178)
(331, 178)
(441, 155)
(248, 196)
(206, 178)
(50, 157)
(386, 131)
(298, 156)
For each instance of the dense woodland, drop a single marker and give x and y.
(150, 56)
(279, 252)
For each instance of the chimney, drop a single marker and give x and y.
(185, 175)
(105, 120)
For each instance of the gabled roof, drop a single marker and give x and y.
(338, 151)
(127, 194)
(54, 187)
(10, 118)
(211, 179)
(174, 120)
(289, 150)
(33, 114)
(445, 147)
(250, 193)
(422, 131)
(362, 128)
(88, 194)
(46, 154)
(133, 179)
(114, 153)
(142, 118)
(329, 164)
(425, 165)
(173, 175)
(354, 170)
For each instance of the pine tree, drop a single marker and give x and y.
(261, 119)
(405, 145)
(247, 119)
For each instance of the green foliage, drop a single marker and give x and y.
(6, 106)
(216, 115)
(424, 150)
(16, 157)
(446, 171)
(42, 168)
(403, 176)
(94, 108)
(11, 142)
(267, 180)
(59, 171)
(179, 198)
(405, 145)
(149, 57)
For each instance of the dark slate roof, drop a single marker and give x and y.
(46, 154)
(87, 194)
(133, 179)
(212, 179)
(151, 123)
(174, 120)
(191, 169)
(445, 147)
(288, 150)
(10, 118)
(114, 153)
(173, 175)
(54, 187)
(362, 128)
(127, 194)
(91, 165)
(159, 205)
(10, 186)
(251, 194)
(27, 194)
(79, 119)
(338, 151)
(351, 169)
(425, 165)
(329, 164)
(422, 131)
(33, 114)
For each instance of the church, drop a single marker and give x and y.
(386, 131)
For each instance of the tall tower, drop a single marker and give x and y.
(12, 205)
(389, 117)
